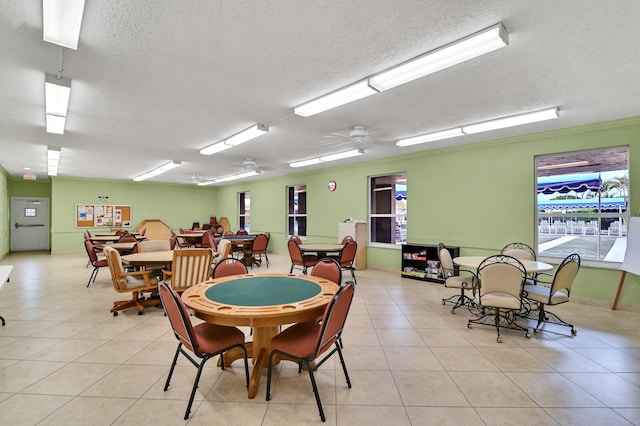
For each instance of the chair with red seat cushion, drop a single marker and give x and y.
(258, 248)
(229, 266)
(305, 342)
(329, 269)
(204, 340)
(94, 260)
(303, 261)
(348, 257)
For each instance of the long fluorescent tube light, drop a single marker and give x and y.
(232, 177)
(430, 137)
(56, 94)
(470, 47)
(514, 120)
(55, 124)
(325, 158)
(53, 160)
(61, 21)
(157, 171)
(339, 97)
(235, 140)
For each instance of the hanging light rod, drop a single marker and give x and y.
(158, 171)
(326, 158)
(485, 126)
(462, 50)
(235, 140)
(61, 21)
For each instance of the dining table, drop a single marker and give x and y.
(123, 248)
(263, 302)
(321, 249)
(531, 266)
(149, 258)
(243, 243)
(113, 238)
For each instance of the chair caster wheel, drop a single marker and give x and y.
(574, 332)
(528, 335)
(443, 303)
(499, 340)
(140, 312)
(469, 326)
(115, 314)
(535, 330)
(453, 311)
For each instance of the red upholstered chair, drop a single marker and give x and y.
(346, 239)
(329, 269)
(242, 232)
(305, 342)
(296, 239)
(94, 260)
(298, 259)
(187, 242)
(209, 241)
(348, 257)
(229, 266)
(204, 340)
(173, 241)
(258, 248)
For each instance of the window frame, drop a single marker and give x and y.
(295, 214)
(244, 210)
(400, 218)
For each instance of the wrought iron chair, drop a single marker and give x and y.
(460, 282)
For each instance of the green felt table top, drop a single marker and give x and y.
(262, 291)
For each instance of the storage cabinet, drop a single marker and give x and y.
(420, 262)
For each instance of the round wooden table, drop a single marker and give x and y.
(529, 265)
(149, 258)
(261, 301)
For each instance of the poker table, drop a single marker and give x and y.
(263, 302)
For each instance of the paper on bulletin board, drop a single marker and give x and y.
(631, 261)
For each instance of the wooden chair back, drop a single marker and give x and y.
(190, 267)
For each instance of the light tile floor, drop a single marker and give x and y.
(65, 360)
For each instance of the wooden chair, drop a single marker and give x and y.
(223, 252)
(229, 266)
(306, 341)
(94, 260)
(135, 282)
(298, 259)
(189, 267)
(204, 340)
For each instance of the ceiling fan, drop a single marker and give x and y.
(249, 163)
(359, 136)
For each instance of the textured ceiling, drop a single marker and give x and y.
(157, 80)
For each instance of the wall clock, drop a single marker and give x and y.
(332, 185)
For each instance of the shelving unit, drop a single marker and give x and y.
(420, 262)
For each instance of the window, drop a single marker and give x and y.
(388, 209)
(30, 212)
(244, 207)
(297, 210)
(583, 204)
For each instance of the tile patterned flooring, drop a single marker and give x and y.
(65, 360)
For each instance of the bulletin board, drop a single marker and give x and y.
(102, 215)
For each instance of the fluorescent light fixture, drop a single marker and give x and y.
(342, 155)
(235, 177)
(56, 94)
(55, 124)
(325, 158)
(430, 137)
(235, 140)
(61, 21)
(158, 170)
(563, 165)
(514, 120)
(339, 97)
(214, 149)
(53, 160)
(470, 47)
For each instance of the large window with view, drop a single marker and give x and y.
(388, 209)
(244, 207)
(297, 210)
(582, 204)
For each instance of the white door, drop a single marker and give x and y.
(29, 224)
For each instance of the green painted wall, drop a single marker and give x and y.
(479, 197)
(19, 187)
(5, 213)
(176, 205)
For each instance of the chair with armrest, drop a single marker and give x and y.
(204, 340)
(189, 267)
(298, 259)
(555, 292)
(460, 282)
(229, 266)
(134, 282)
(223, 252)
(500, 293)
(258, 248)
(305, 342)
(96, 262)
